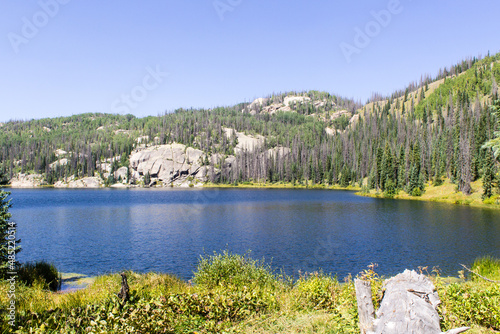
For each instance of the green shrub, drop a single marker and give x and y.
(470, 303)
(233, 269)
(317, 292)
(40, 273)
(416, 192)
(438, 180)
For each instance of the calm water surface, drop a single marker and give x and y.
(101, 231)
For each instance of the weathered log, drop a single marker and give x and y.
(124, 291)
(366, 312)
(409, 306)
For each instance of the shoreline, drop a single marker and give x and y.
(445, 193)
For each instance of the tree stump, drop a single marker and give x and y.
(409, 305)
(124, 291)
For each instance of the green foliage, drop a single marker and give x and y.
(494, 143)
(317, 291)
(470, 304)
(416, 192)
(487, 266)
(164, 304)
(475, 302)
(228, 269)
(390, 189)
(9, 245)
(208, 311)
(488, 176)
(42, 273)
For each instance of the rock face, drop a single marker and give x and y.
(174, 163)
(59, 163)
(86, 182)
(258, 105)
(121, 173)
(295, 99)
(245, 142)
(279, 151)
(27, 181)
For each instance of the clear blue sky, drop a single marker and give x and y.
(84, 56)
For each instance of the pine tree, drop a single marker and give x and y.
(9, 246)
(488, 175)
(495, 143)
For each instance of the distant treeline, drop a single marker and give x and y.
(426, 132)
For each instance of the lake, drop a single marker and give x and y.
(101, 231)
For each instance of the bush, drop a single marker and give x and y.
(317, 292)
(438, 180)
(233, 269)
(40, 273)
(416, 192)
(470, 303)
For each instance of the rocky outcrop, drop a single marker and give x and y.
(86, 182)
(121, 173)
(274, 153)
(290, 100)
(255, 107)
(245, 142)
(27, 181)
(60, 152)
(170, 164)
(59, 163)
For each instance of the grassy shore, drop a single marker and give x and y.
(236, 294)
(278, 185)
(446, 193)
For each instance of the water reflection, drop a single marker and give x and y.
(100, 231)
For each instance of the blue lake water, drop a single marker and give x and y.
(102, 231)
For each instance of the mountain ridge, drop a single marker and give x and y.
(399, 142)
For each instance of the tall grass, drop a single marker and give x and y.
(233, 269)
(232, 294)
(487, 266)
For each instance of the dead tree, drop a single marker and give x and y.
(409, 306)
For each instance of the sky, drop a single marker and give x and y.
(67, 57)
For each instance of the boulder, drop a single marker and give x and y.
(166, 162)
(58, 163)
(121, 173)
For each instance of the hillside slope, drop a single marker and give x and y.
(424, 133)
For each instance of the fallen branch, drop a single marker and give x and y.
(485, 278)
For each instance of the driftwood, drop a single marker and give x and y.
(409, 306)
(124, 291)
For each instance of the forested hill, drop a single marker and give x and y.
(432, 129)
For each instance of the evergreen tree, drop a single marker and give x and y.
(495, 143)
(488, 176)
(9, 246)
(147, 179)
